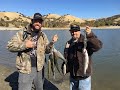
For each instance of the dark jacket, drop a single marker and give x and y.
(75, 57)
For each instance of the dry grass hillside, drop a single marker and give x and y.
(90, 19)
(15, 19)
(64, 18)
(52, 16)
(71, 19)
(118, 19)
(13, 15)
(55, 20)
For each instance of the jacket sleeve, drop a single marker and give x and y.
(93, 42)
(16, 44)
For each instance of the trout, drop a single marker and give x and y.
(86, 57)
(53, 62)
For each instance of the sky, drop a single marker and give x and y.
(80, 8)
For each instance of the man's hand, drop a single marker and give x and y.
(55, 38)
(88, 30)
(29, 44)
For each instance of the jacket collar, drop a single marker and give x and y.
(80, 39)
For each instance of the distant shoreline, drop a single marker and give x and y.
(104, 27)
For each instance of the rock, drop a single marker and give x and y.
(9, 81)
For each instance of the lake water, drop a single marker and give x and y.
(106, 62)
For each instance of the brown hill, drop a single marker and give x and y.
(49, 16)
(71, 19)
(15, 19)
(13, 15)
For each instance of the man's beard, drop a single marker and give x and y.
(74, 39)
(36, 30)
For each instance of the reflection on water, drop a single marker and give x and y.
(106, 61)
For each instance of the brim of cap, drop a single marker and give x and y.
(74, 30)
(38, 19)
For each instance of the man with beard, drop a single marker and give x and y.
(31, 44)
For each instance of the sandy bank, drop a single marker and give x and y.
(9, 28)
(104, 27)
(9, 81)
(4, 73)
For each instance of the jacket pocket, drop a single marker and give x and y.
(23, 61)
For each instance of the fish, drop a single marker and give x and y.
(49, 68)
(85, 52)
(54, 56)
(86, 60)
(64, 69)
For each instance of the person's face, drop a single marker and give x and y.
(75, 34)
(37, 24)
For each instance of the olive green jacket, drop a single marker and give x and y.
(23, 61)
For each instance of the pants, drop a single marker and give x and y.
(84, 84)
(25, 80)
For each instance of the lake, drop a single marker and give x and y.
(106, 62)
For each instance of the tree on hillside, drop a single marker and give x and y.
(7, 18)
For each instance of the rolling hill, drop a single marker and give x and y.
(15, 19)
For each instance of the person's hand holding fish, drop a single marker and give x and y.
(55, 38)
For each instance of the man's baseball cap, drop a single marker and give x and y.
(37, 16)
(74, 27)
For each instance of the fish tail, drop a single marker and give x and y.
(49, 68)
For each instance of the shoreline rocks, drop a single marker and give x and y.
(9, 80)
(4, 73)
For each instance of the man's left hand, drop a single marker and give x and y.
(55, 38)
(88, 30)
